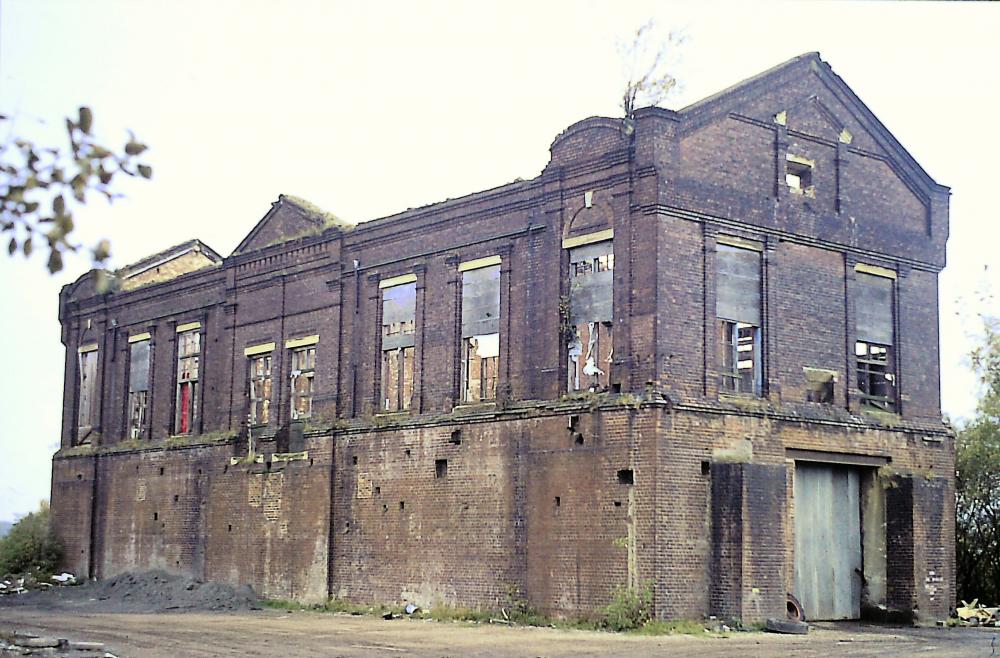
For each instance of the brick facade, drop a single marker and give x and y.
(663, 478)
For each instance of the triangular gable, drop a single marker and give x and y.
(809, 108)
(289, 218)
(171, 263)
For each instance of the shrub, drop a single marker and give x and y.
(629, 608)
(30, 545)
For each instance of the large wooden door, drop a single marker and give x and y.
(828, 540)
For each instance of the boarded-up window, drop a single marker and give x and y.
(876, 368)
(738, 284)
(399, 305)
(88, 383)
(739, 320)
(480, 333)
(589, 347)
(873, 309)
(303, 373)
(138, 387)
(186, 403)
(260, 389)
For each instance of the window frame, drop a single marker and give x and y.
(138, 399)
(731, 379)
(260, 377)
(309, 374)
(397, 343)
(188, 424)
(88, 358)
(869, 368)
(481, 386)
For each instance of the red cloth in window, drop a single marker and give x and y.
(185, 408)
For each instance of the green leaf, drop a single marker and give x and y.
(59, 205)
(86, 119)
(26, 247)
(145, 171)
(102, 251)
(55, 261)
(12, 247)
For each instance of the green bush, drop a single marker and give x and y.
(30, 545)
(629, 608)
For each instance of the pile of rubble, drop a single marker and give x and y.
(19, 584)
(24, 644)
(976, 614)
(158, 590)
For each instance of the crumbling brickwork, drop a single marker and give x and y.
(673, 466)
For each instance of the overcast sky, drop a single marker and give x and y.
(369, 108)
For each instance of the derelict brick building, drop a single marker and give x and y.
(700, 350)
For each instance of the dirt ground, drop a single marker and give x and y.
(280, 633)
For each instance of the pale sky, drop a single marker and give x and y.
(370, 108)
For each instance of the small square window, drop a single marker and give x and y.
(798, 174)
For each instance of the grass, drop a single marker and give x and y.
(681, 627)
(518, 615)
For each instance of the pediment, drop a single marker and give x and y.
(289, 218)
(806, 96)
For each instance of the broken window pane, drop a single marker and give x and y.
(398, 335)
(819, 385)
(138, 388)
(88, 382)
(480, 359)
(480, 333)
(798, 174)
(303, 373)
(588, 341)
(260, 389)
(186, 402)
(876, 377)
(739, 358)
(875, 337)
(738, 310)
(590, 353)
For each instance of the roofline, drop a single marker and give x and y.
(168, 254)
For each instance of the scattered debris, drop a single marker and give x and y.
(794, 609)
(789, 626)
(411, 608)
(25, 644)
(21, 583)
(976, 614)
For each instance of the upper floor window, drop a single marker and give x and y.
(186, 411)
(799, 175)
(260, 389)
(303, 374)
(399, 304)
(739, 320)
(589, 345)
(87, 357)
(138, 384)
(874, 334)
(480, 329)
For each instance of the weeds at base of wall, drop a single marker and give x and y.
(624, 608)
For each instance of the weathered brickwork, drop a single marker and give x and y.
(666, 479)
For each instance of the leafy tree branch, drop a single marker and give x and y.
(39, 187)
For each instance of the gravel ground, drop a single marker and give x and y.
(279, 633)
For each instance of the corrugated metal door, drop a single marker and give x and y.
(828, 541)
